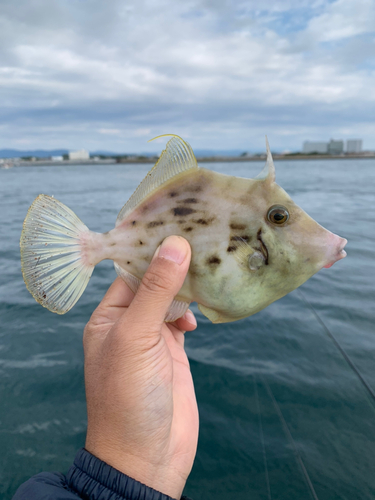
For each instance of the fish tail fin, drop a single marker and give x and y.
(55, 268)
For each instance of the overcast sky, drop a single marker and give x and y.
(111, 74)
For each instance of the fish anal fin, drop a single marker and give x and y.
(176, 158)
(178, 307)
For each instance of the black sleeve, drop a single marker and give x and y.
(89, 478)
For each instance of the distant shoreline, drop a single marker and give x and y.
(277, 157)
(206, 159)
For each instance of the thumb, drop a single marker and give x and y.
(160, 284)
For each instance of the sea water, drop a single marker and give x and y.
(282, 414)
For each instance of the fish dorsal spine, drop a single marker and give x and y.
(176, 158)
(268, 172)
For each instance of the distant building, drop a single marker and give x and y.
(315, 147)
(56, 158)
(335, 147)
(79, 155)
(354, 145)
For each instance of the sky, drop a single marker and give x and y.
(222, 74)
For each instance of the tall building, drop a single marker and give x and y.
(354, 145)
(335, 147)
(79, 155)
(315, 147)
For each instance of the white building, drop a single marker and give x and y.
(354, 145)
(335, 147)
(57, 158)
(79, 155)
(315, 147)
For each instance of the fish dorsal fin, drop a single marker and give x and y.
(268, 171)
(177, 157)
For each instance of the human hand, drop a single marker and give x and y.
(142, 411)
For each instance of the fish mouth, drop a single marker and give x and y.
(263, 249)
(341, 254)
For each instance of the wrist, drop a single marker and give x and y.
(158, 475)
(89, 477)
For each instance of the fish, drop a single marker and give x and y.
(250, 243)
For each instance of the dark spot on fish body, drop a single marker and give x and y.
(155, 223)
(236, 225)
(188, 229)
(134, 222)
(194, 270)
(128, 262)
(203, 222)
(112, 244)
(189, 200)
(231, 248)
(172, 194)
(140, 242)
(183, 211)
(214, 260)
(195, 188)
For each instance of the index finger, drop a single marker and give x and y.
(114, 303)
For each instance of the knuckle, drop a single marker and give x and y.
(154, 281)
(88, 338)
(86, 335)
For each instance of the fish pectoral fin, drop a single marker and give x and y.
(176, 158)
(247, 257)
(178, 307)
(214, 316)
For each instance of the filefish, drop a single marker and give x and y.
(251, 244)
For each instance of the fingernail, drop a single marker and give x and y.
(173, 248)
(190, 318)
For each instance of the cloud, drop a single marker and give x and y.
(222, 74)
(110, 131)
(343, 19)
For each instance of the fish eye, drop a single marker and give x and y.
(278, 215)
